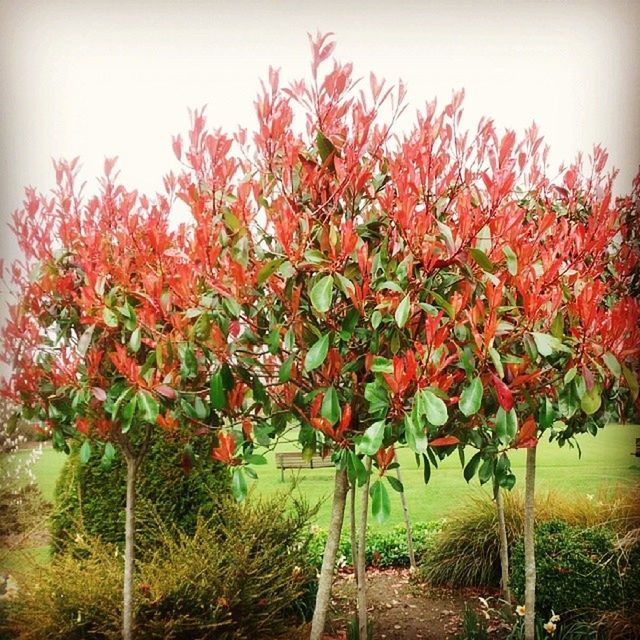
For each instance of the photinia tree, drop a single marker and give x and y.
(436, 290)
(101, 339)
(427, 290)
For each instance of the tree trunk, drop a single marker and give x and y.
(504, 543)
(407, 521)
(329, 559)
(129, 549)
(362, 558)
(529, 548)
(352, 530)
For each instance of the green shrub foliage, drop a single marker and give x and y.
(576, 570)
(243, 573)
(90, 498)
(383, 549)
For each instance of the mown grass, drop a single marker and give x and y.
(607, 462)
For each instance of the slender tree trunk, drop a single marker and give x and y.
(504, 543)
(129, 549)
(352, 530)
(362, 557)
(529, 548)
(329, 558)
(407, 522)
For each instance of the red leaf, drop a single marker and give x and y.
(166, 392)
(99, 394)
(527, 434)
(505, 397)
(445, 441)
(224, 451)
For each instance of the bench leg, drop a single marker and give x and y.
(282, 474)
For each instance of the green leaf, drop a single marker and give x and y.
(255, 458)
(109, 317)
(402, 312)
(482, 260)
(426, 471)
(381, 365)
(330, 408)
(85, 452)
(497, 362)
(321, 294)
(325, 146)
(547, 344)
(396, 485)
(128, 413)
(506, 425)
(372, 438)
(149, 406)
(568, 401)
(486, 470)
(380, 502)
(612, 363)
(284, 374)
(512, 260)
(591, 401)
(632, 381)
(217, 395)
(318, 352)
(135, 341)
(377, 397)
(472, 466)
(416, 438)
(376, 319)
(471, 398)
(570, 375)
(268, 270)
(200, 408)
(435, 408)
(107, 456)
(239, 484)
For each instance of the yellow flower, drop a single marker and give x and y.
(550, 627)
(554, 617)
(520, 610)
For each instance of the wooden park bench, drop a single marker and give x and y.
(294, 460)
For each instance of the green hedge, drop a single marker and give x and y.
(384, 548)
(89, 499)
(576, 570)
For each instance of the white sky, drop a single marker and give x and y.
(99, 79)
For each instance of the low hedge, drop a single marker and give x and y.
(89, 500)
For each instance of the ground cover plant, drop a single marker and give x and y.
(436, 289)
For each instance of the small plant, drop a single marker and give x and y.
(576, 570)
(242, 574)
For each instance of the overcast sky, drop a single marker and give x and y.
(95, 79)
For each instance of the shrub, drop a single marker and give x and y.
(89, 499)
(384, 548)
(467, 550)
(244, 573)
(576, 569)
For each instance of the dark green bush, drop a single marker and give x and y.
(89, 499)
(576, 570)
(384, 548)
(467, 550)
(244, 573)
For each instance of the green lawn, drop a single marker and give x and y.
(606, 462)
